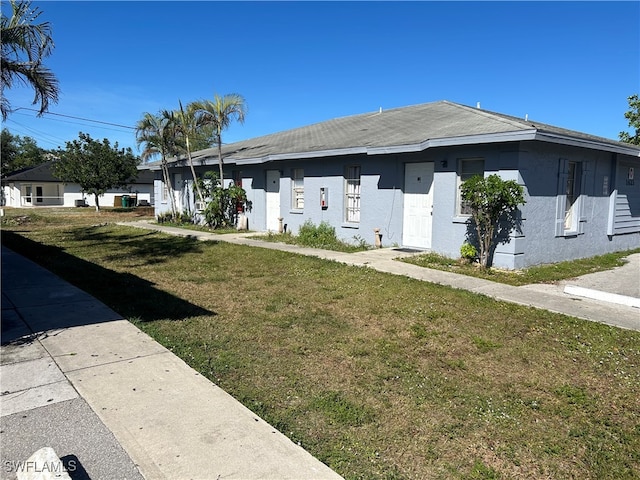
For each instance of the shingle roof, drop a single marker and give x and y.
(39, 173)
(411, 128)
(44, 173)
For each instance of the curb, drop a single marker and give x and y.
(603, 296)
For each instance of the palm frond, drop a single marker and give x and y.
(24, 46)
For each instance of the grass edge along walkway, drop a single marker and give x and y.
(384, 260)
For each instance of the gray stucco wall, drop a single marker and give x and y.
(381, 197)
(534, 165)
(450, 229)
(539, 165)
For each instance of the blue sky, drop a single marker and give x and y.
(569, 64)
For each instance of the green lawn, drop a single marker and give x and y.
(379, 376)
(538, 274)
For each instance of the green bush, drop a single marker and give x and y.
(321, 236)
(166, 217)
(222, 204)
(468, 251)
(184, 218)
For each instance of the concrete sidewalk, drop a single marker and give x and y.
(115, 404)
(610, 297)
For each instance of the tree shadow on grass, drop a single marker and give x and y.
(130, 296)
(146, 247)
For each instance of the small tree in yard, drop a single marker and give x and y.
(491, 200)
(95, 166)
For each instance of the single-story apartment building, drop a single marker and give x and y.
(38, 187)
(399, 171)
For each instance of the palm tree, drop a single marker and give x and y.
(24, 46)
(187, 123)
(220, 112)
(157, 133)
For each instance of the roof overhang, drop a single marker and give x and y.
(418, 147)
(456, 141)
(503, 137)
(591, 144)
(151, 167)
(298, 155)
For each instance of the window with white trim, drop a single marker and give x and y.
(572, 192)
(467, 168)
(28, 193)
(164, 192)
(297, 188)
(352, 194)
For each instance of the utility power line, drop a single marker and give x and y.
(108, 126)
(35, 134)
(76, 118)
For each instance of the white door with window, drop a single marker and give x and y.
(272, 200)
(418, 205)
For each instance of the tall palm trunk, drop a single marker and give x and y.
(158, 134)
(186, 123)
(193, 171)
(221, 167)
(219, 113)
(220, 161)
(167, 181)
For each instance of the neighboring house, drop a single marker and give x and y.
(37, 187)
(400, 171)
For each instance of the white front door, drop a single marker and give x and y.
(418, 205)
(273, 200)
(177, 190)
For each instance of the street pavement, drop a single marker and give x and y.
(115, 404)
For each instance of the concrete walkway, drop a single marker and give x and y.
(611, 297)
(113, 403)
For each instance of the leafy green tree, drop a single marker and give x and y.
(633, 115)
(9, 151)
(25, 45)
(491, 200)
(96, 166)
(219, 113)
(20, 152)
(157, 134)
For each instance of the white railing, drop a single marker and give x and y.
(40, 200)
